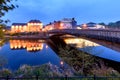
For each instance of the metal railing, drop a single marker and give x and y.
(61, 78)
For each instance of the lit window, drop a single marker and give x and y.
(13, 27)
(16, 26)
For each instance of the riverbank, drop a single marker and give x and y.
(44, 70)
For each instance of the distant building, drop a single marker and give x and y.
(49, 26)
(98, 26)
(84, 26)
(78, 27)
(54, 25)
(58, 25)
(92, 25)
(69, 23)
(66, 23)
(31, 26)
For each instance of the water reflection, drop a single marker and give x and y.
(93, 48)
(2, 42)
(29, 45)
(18, 53)
(80, 43)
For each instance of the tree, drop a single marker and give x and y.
(5, 6)
(2, 29)
(114, 24)
(102, 23)
(79, 60)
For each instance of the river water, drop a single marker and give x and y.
(37, 52)
(94, 49)
(19, 56)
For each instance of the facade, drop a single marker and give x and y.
(54, 25)
(31, 26)
(66, 23)
(58, 25)
(49, 26)
(69, 23)
(92, 26)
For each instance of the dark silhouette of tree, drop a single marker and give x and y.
(102, 23)
(114, 24)
(2, 28)
(5, 6)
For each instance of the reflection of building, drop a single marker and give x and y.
(80, 43)
(31, 26)
(30, 45)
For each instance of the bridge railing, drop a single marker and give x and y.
(105, 34)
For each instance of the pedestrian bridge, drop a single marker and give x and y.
(106, 37)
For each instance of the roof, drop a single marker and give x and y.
(22, 24)
(91, 24)
(34, 21)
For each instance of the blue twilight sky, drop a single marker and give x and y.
(49, 10)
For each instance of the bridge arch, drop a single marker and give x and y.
(107, 38)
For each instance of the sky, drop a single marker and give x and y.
(83, 11)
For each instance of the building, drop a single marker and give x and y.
(69, 23)
(31, 26)
(66, 23)
(58, 25)
(54, 25)
(92, 25)
(49, 26)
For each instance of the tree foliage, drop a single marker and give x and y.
(114, 24)
(5, 6)
(102, 23)
(2, 28)
(85, 64)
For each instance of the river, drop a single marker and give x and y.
(37, 52)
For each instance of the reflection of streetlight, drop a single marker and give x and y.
(46, 46)
(0, 47)
(64, 70)
(61, 67)
(61, 62)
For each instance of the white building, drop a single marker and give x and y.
(69, 23)
(92, 26)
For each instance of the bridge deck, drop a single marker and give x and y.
(102, 34)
